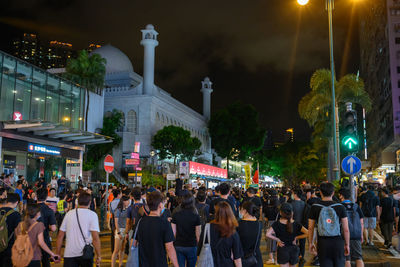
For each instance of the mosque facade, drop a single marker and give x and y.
(147, 108)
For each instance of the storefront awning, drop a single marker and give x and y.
(56, 131)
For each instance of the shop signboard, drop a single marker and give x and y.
(137, 147)
(9, 161)
(134, 155)
(129, 162)
(42, 149)
(207, 170)
(132, 174)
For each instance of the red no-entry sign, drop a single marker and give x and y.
(109, 164)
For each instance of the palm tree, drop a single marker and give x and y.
(88, 71)
(315, 107)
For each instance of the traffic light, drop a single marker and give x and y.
(350, 122)
(350, 139)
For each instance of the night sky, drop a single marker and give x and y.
(261, 52)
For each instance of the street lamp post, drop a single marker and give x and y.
(152, 154)
(330, 7)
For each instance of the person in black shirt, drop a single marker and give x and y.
(250, 230)
(179, 184)
(331, 249)
(386, 219)
(271, 211)
(202, 207)
(224, 190)
(154, 235)
(286, 232)
(251, 196)
(48, 218)
(224, 240)
(186, 226)
(12, 220)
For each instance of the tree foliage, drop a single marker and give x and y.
(235, 132)
(89, 72)
(292, 163)
(173, 142)
(95, 153)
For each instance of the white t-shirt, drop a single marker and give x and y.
(74, 242)
(54, 183)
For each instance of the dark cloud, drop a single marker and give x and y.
(258, 51)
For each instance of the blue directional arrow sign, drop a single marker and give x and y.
(351, 165)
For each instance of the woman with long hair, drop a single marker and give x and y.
(120, 217)
(224, 240)
(35, 231)
(249, 231)
(286, 232)
(186, 226)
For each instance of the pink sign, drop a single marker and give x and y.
(132, 161)
(137, 147)
(207, 170)
(134, 155)
(17, 116)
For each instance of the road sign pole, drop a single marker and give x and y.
(352, 197)
(106, 193)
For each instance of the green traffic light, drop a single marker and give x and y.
(350, 142)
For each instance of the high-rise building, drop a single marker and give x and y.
(92, 47)
(58, 54)
(28, 48)
(289, 135)
(380, 69)
(53, 54)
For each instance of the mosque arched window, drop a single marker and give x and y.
(122, 125)
(132, 122)
(148, 36)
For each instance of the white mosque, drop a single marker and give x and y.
(146, 107)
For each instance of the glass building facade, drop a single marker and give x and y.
(38, 95)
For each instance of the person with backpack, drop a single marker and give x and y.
(355, 219)
(120, 218)
(202, 207)
(136, 210)
(370, 208)
(9, 220)
(250, 230)
(224, 190)
(328, 217)
(186, 226)
(28, 246)
(286, 232)
(387, 212)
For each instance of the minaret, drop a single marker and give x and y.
(149, 41)
(206, 90)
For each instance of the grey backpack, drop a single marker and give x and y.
(328, 221)
(206, 257)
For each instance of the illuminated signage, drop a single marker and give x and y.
(207, 170)
(44, 149)
(132, 161)
(137, 147)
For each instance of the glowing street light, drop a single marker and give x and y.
(302, 2)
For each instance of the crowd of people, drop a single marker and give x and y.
(177, 226)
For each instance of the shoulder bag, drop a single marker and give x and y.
(133, 258)
(88, 252)
(206, 257)
(250, 259)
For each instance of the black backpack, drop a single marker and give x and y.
(354, 222)
(202, 213)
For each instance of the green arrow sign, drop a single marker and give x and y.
(350, 142)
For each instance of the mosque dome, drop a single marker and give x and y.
(117, 61)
